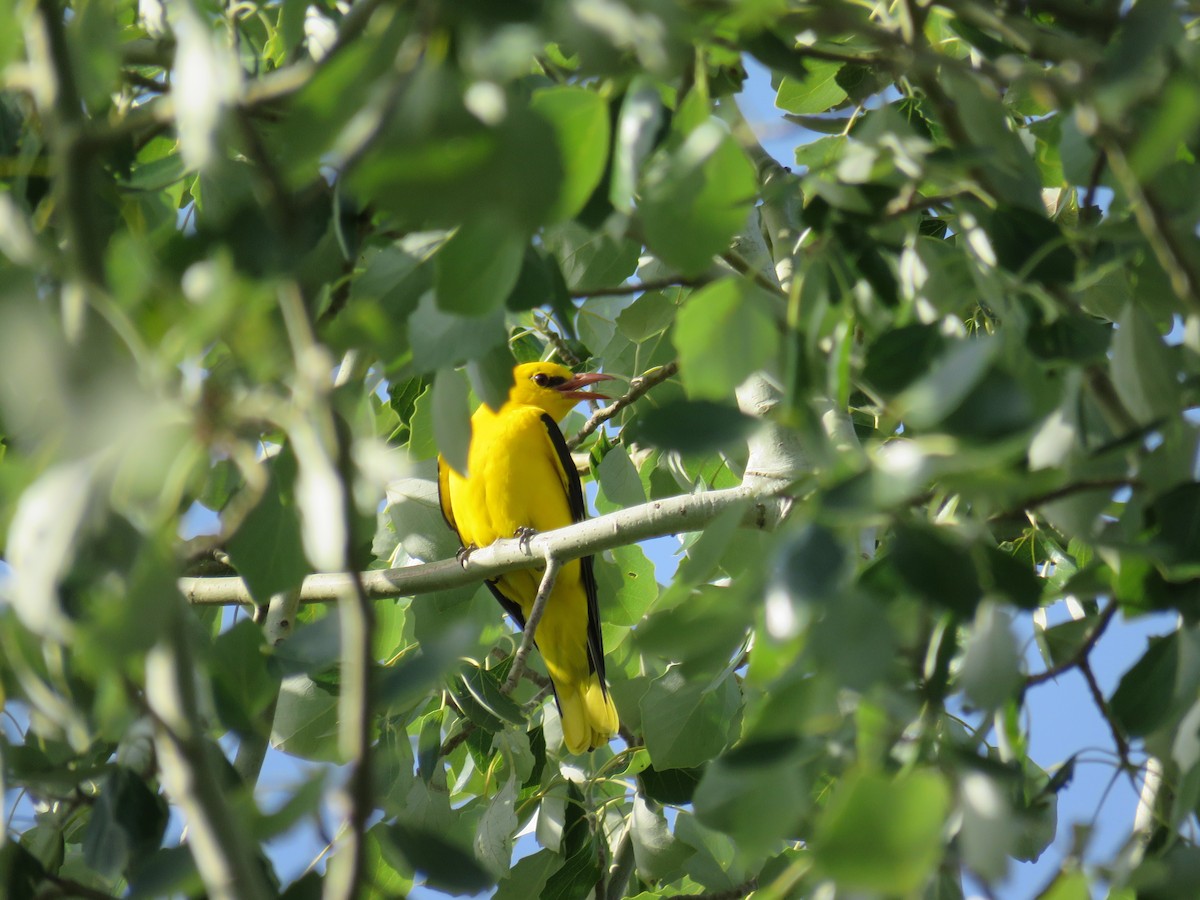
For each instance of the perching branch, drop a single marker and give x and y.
(689, 512)
(531, 624)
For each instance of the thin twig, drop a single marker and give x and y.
(637, 388)
(657, 284)
(1156, 228)
(1085, 669)
(1080, 656)
(531, 623)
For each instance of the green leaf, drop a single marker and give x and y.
(267, 549)
(685, 724)
(880, 833)
(1068, 886)
(656, 851)
(937, 566)
(446, 866)
(440, 339)
(724, 332)
(306, 720)
(676, 786)
(577, 878)
(1012, 174)
(627, 585)
(1146, 693)
(579, 119)
(128, 822)
(591, 260)
(497, 825)
(817, 92)
(693, 426)
(696, 198)
(619, 479)
(484, 686)
(1144, 379)
(477, 268)
(901, 356)
(452, 418)
(701, 633)
(638, 123)
(243, 685)
(755, 800)
(813, 565)
(937, 394)
(991, 666)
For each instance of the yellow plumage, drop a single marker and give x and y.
(520, 475)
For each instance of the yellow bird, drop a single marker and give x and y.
(520, 479)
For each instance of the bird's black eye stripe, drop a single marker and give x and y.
(541, 379)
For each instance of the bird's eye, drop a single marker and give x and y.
(541, 379)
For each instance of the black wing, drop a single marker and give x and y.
(586, 572)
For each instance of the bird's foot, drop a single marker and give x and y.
(524, 535)
(464, 554)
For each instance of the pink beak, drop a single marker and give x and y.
(571, 388)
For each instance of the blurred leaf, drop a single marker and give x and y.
(580, 121)
(497, 826)
(267, 549)
(446, 866)
(818, 91)
(1146, 693)
(880, 833)
(439, 339)
(936, 565)
(696, 198)
(477, 268)
(243, 685)
(1012, 174)
(991, 665)
(451, 418)
(638, 123)
(1144, 379)
(656, 851)
(756, 801)
(693, 426)
(724, 332)
(684, 724)
(127, 824)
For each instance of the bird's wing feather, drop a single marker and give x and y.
(586, 572)
(443, 472)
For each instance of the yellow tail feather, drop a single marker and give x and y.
(589, 719)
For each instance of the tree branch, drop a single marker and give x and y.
(657, 284)
(637, 388)
(1080, 655)
(215, 836)
(531, 624)
(689, 512)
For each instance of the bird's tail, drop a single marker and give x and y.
(589, 719)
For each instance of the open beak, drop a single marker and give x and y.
(572, 390)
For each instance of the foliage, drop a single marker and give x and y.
(256, 258)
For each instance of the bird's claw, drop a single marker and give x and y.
(524, 535)
(464, 554)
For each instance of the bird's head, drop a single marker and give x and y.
(553, 388)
